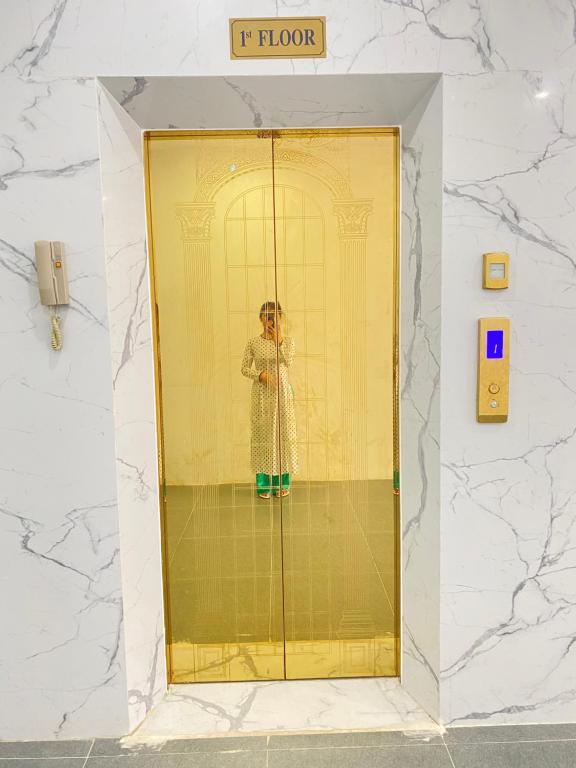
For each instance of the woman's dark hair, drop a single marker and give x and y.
(269, 307)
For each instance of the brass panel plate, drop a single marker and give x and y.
(493, 369)
(373, 656)
(495, 269)
(214, 662)
(278, 38)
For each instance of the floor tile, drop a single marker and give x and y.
(225, 760)
(75, 748)
(138, 761)
(42, 762)
(111, 747)
(496, 733)
(362, 757)
(355, 739)
(243, 759)
(542, 754)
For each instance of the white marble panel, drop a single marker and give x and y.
(286, 102)
(61, 643)
(509, 604)
(420, 398)
(128, 282)
(288, 705)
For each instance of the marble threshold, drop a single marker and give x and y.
(191, 710)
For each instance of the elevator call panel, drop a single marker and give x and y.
(493, 369)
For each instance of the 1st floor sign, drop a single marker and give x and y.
(278, 37)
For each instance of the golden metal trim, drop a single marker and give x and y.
(278, 394)
(267, 132)
(396, 400)
(159, 412)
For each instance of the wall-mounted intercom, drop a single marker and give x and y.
(493, 369)
(52, 281)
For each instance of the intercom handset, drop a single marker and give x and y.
(52, 277)
(52, 281)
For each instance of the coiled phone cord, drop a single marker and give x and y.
(56, 333)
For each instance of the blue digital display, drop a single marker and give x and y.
(494, 345)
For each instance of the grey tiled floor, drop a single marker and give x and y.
(529, 746)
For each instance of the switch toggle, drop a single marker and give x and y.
(493, 369)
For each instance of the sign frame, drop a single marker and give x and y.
(293, 23)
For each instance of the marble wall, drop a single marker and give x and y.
(420, 296)
(508, 493)
(507, 535)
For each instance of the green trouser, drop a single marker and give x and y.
(263, 484)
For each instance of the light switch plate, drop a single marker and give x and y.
(495, 270)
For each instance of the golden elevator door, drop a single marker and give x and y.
(274, 274)
(336, 241)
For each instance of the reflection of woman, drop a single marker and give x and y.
(273, 422)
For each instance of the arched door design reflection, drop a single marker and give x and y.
(303, 585)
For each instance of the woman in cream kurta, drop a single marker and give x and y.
(273, 422)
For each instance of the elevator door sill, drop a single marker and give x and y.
(200, 709)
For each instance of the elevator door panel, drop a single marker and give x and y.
(302, 583)
(211, 265)
(336, 211)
